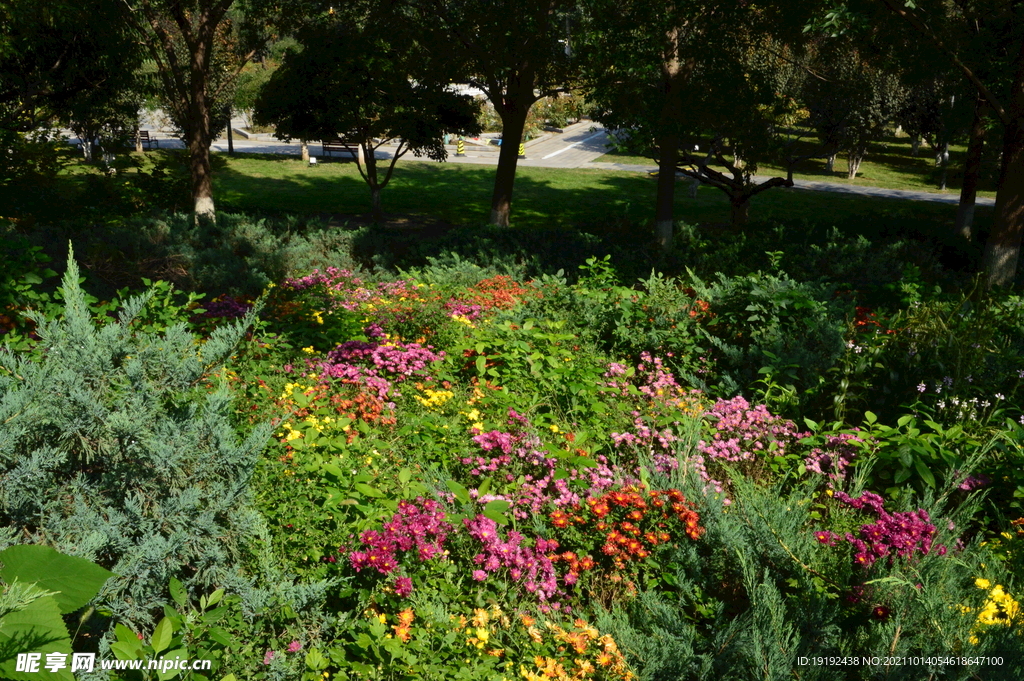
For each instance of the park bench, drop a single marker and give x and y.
(340, 146)
(146, 141)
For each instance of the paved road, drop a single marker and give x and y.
(578, 146)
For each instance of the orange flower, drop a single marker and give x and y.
(406, 617)
(528, 621)
(605, 660)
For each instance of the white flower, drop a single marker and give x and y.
(942, 404)
(1000, 396)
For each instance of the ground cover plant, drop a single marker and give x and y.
(466, 471)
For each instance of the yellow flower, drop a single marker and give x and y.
(309, 350)
(981, 583)
(554, 428)
(383, 618)
(481, 617)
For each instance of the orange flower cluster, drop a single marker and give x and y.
(404, 627)
(502, 292)
(633, 524)
(592, 655)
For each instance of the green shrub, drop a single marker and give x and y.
(116, 445)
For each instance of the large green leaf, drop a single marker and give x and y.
(76, 580)
(37, 628)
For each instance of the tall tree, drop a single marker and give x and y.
(54, 52)
(984, 40)
(514, 51)
(357, 78)
(644, 62)
(199, 47)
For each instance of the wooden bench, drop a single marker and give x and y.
(146, 141)
(340, 146)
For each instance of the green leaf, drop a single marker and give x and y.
(901, 475)
(904, 420)
(484, 488)
(481, 364)
(365, 489)
(460, 492)
(870, 417)
(180, 653)
(496, 506)
(125, 651)
(924, 472)
(215, 598)
(813, 425)
(36, 628)
(177, 592)
(162, 635)
(76, 580)
(404, 476)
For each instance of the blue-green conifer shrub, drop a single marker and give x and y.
(116, 446)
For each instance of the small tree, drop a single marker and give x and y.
(370, 87)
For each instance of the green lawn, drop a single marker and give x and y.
(889, 165)
(460, 194)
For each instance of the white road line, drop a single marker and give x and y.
(556, 153)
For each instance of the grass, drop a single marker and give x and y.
(888, 165)
(460, 194)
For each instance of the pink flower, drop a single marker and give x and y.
(294, 647)
(479, 575)
(268, 657)
(403, 586)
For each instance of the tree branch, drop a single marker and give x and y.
(928, 33)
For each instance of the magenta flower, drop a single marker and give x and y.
(479, 575)
(268, 657)
(294, 647)
(403, 586)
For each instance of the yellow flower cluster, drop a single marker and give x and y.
(475, 419)
(1000, 608)
(478, 633)
(434, 398)
(462, 319)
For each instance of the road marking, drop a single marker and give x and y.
(556, 153)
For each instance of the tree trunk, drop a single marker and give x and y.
(830, 164)
(1003, 246)
(740, 205)
(674, 74)
(198, 136)
(972, 171)
(915, 146)
(668, 156)
(138, 142)
(853, 160)
(305, 151)
(513, 122)
(376, 210)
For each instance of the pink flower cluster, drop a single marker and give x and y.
(834, 457)
(520, 452)
(391, 362)
(529, 565)
(742, 432)
(332, 279)
(458, 308)
(418, 526)
(894, 534)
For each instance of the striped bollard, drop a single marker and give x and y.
(522, 150)
(460, 148)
